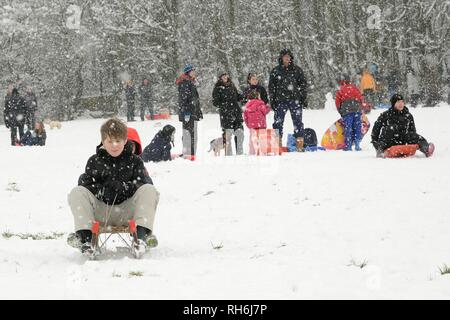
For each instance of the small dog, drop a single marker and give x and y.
(216, 145)
(55, 124)
(52, 123)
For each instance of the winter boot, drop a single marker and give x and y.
(358, 145)
(87, 250)
(78, 239)
(299, 143)
(147, 237)
(380, 154)
(430, 150)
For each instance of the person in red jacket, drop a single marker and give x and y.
(255, 111)
(348, 103)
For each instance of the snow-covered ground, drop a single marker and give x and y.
(290, 227)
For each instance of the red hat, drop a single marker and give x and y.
(133, 135)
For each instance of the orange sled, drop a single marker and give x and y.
(401, 151)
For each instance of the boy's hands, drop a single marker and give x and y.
(112, 189)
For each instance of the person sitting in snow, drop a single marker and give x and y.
(160, 146)
(36, 137)
(114, 189)
(348, 103)
(396, 127)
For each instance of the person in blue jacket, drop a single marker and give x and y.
(160, 147)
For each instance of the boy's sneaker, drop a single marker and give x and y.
(430, 150)
(74, 241)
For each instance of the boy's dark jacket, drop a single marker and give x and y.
(114, 180)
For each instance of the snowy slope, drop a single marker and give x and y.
(290, 226)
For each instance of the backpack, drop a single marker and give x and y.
(310, 138)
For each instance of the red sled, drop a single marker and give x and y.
(401, 151)
(163, 116)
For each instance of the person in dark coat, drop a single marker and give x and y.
(189, 112)
(114, 189)
(130, 96)
(288, 91)
(31, 106)
(161, 145)
(146, 99)
(253, 85)
(396, 127)
(14, 115)
(226, 98)
(35, 137)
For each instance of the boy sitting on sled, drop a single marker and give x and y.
(114, 189)
(396, 127)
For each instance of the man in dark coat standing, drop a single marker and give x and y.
(146, 99)
(130, 96)
(396, 127)
(14, 115)
(189, 109)
(288, 91)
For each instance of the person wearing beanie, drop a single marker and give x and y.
(254, 85)
(161, 145)
(396, 127)
(189, 109)
(288, 91)
(348, 103)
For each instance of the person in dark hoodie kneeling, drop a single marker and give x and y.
(160, 147)
(396, 127)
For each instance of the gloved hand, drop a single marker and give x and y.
(304, 104)
(112, 189)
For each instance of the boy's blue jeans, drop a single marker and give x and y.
(352, 129)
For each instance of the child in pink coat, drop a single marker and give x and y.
(255, 111)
